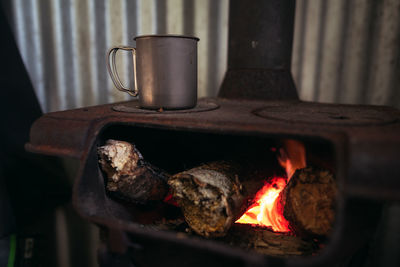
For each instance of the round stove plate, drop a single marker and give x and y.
(331, 114)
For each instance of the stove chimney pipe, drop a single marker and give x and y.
(260, 50)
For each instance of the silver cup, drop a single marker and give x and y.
(164, 71)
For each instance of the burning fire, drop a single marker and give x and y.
(292, 156)
(265, 209)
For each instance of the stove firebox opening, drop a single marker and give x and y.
(274, 195)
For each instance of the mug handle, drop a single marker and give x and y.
(112, 69)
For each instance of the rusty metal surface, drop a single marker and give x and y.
(371, 150)
(260, 51)
(258, 84)
(315, 113)
(260, 34)
(366, 155)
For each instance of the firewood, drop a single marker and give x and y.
(264, 240)
(308, 202)
(129, 176)
(212, 196)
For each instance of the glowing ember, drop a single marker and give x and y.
(264, 211)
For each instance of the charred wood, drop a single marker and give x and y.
(212, 196)
(308, 202)
(128, 176)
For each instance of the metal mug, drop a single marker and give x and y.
(164, 71)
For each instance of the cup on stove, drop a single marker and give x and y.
(164, 71)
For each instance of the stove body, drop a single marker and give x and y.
(364, 141)
(257, 103)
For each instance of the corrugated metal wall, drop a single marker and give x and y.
(344, 51)
(347, 51)
(64, 43)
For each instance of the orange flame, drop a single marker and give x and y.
(265, 210)
(292, 156)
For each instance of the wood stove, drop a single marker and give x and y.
(257, 106)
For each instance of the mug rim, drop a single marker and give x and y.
(167, 35)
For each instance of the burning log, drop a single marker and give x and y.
(265, 241)
(308, 202)
(212, 196)
(129, 176)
